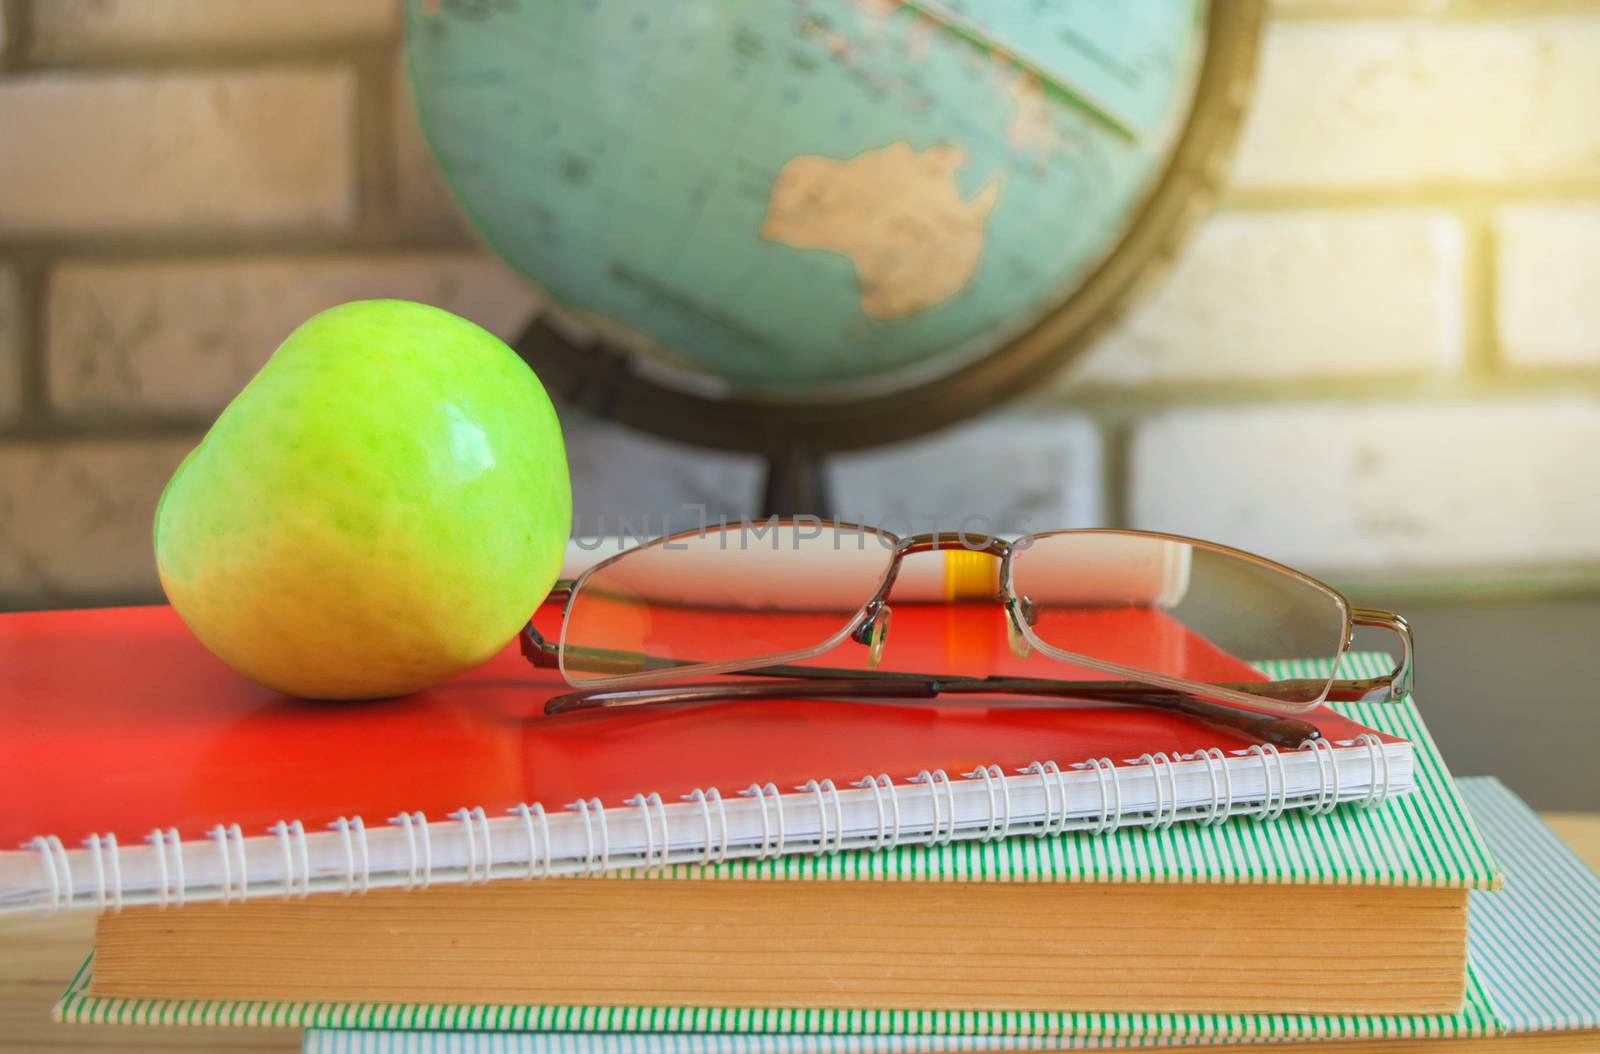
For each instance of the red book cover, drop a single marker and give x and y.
(119, 721)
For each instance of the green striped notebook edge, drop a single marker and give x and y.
(1535, 948)
(1537, 942)
(1476, 1019)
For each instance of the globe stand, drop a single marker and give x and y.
(796, 485)
(601, 380)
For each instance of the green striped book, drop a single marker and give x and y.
(1426, 840)
(1535, 948)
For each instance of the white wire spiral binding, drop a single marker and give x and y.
(888, 834)
(1376, 792)
(236, 836)
(488, 847)
(1048, 772)
(1110, 784)
(722, 823)
(291, 836)
(1269, 754)
(101, 845)
(1221, 806)
(528, 812)
(594, 861)
(342, 827)
(933, 779)
(415, 824)
(57, 869)
(1165, 803)
(353, 836)
(404, 821)
(1327, 785)
(1157, 810)
(1061, 786)
(705, 799)
(466, 817)
(812, 786)
(760, 794)
(233, 881)
(155, 838)
(280, 829)
(581, 807)
(999, 810)
(826, 787)
(219, 834)
(179, 883)
(173, 884)
(698, 795)
(59, 851)
(640, 802)
(933, 798)
(838, 814)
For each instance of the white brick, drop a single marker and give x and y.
(1378, 489)
(1274, 296)
(424, 202)
(10, 347)
(139, 152)
(75, 29)
(1384, 103)
(631, 484)
(76, 518)
(1020, 472)
(1548, 285)
(182, 337)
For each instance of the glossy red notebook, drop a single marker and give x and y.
(136, 767)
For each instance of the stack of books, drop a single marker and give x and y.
(808, 876)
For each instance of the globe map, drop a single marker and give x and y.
(789, 196)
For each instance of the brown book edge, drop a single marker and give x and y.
(1069, 947)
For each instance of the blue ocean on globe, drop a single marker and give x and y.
(796, 196)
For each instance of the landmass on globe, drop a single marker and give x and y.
(805, 199)
(895, 213)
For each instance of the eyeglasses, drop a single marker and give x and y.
(1140, 618)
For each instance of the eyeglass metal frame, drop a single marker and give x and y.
(1221, 703)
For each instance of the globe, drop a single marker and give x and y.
(805, 201)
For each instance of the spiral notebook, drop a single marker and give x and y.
(1424, 843)
(1535, 949)
(138, 770)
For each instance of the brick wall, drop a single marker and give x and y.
(1380, 359)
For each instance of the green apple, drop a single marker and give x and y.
(382, 506)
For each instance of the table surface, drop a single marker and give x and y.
(39, 954)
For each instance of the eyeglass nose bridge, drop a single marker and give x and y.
(872, 630)
(973, 543)
(950, 542)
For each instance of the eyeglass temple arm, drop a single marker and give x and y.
(821, 682)
(1392, 686)
(1279, 730)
